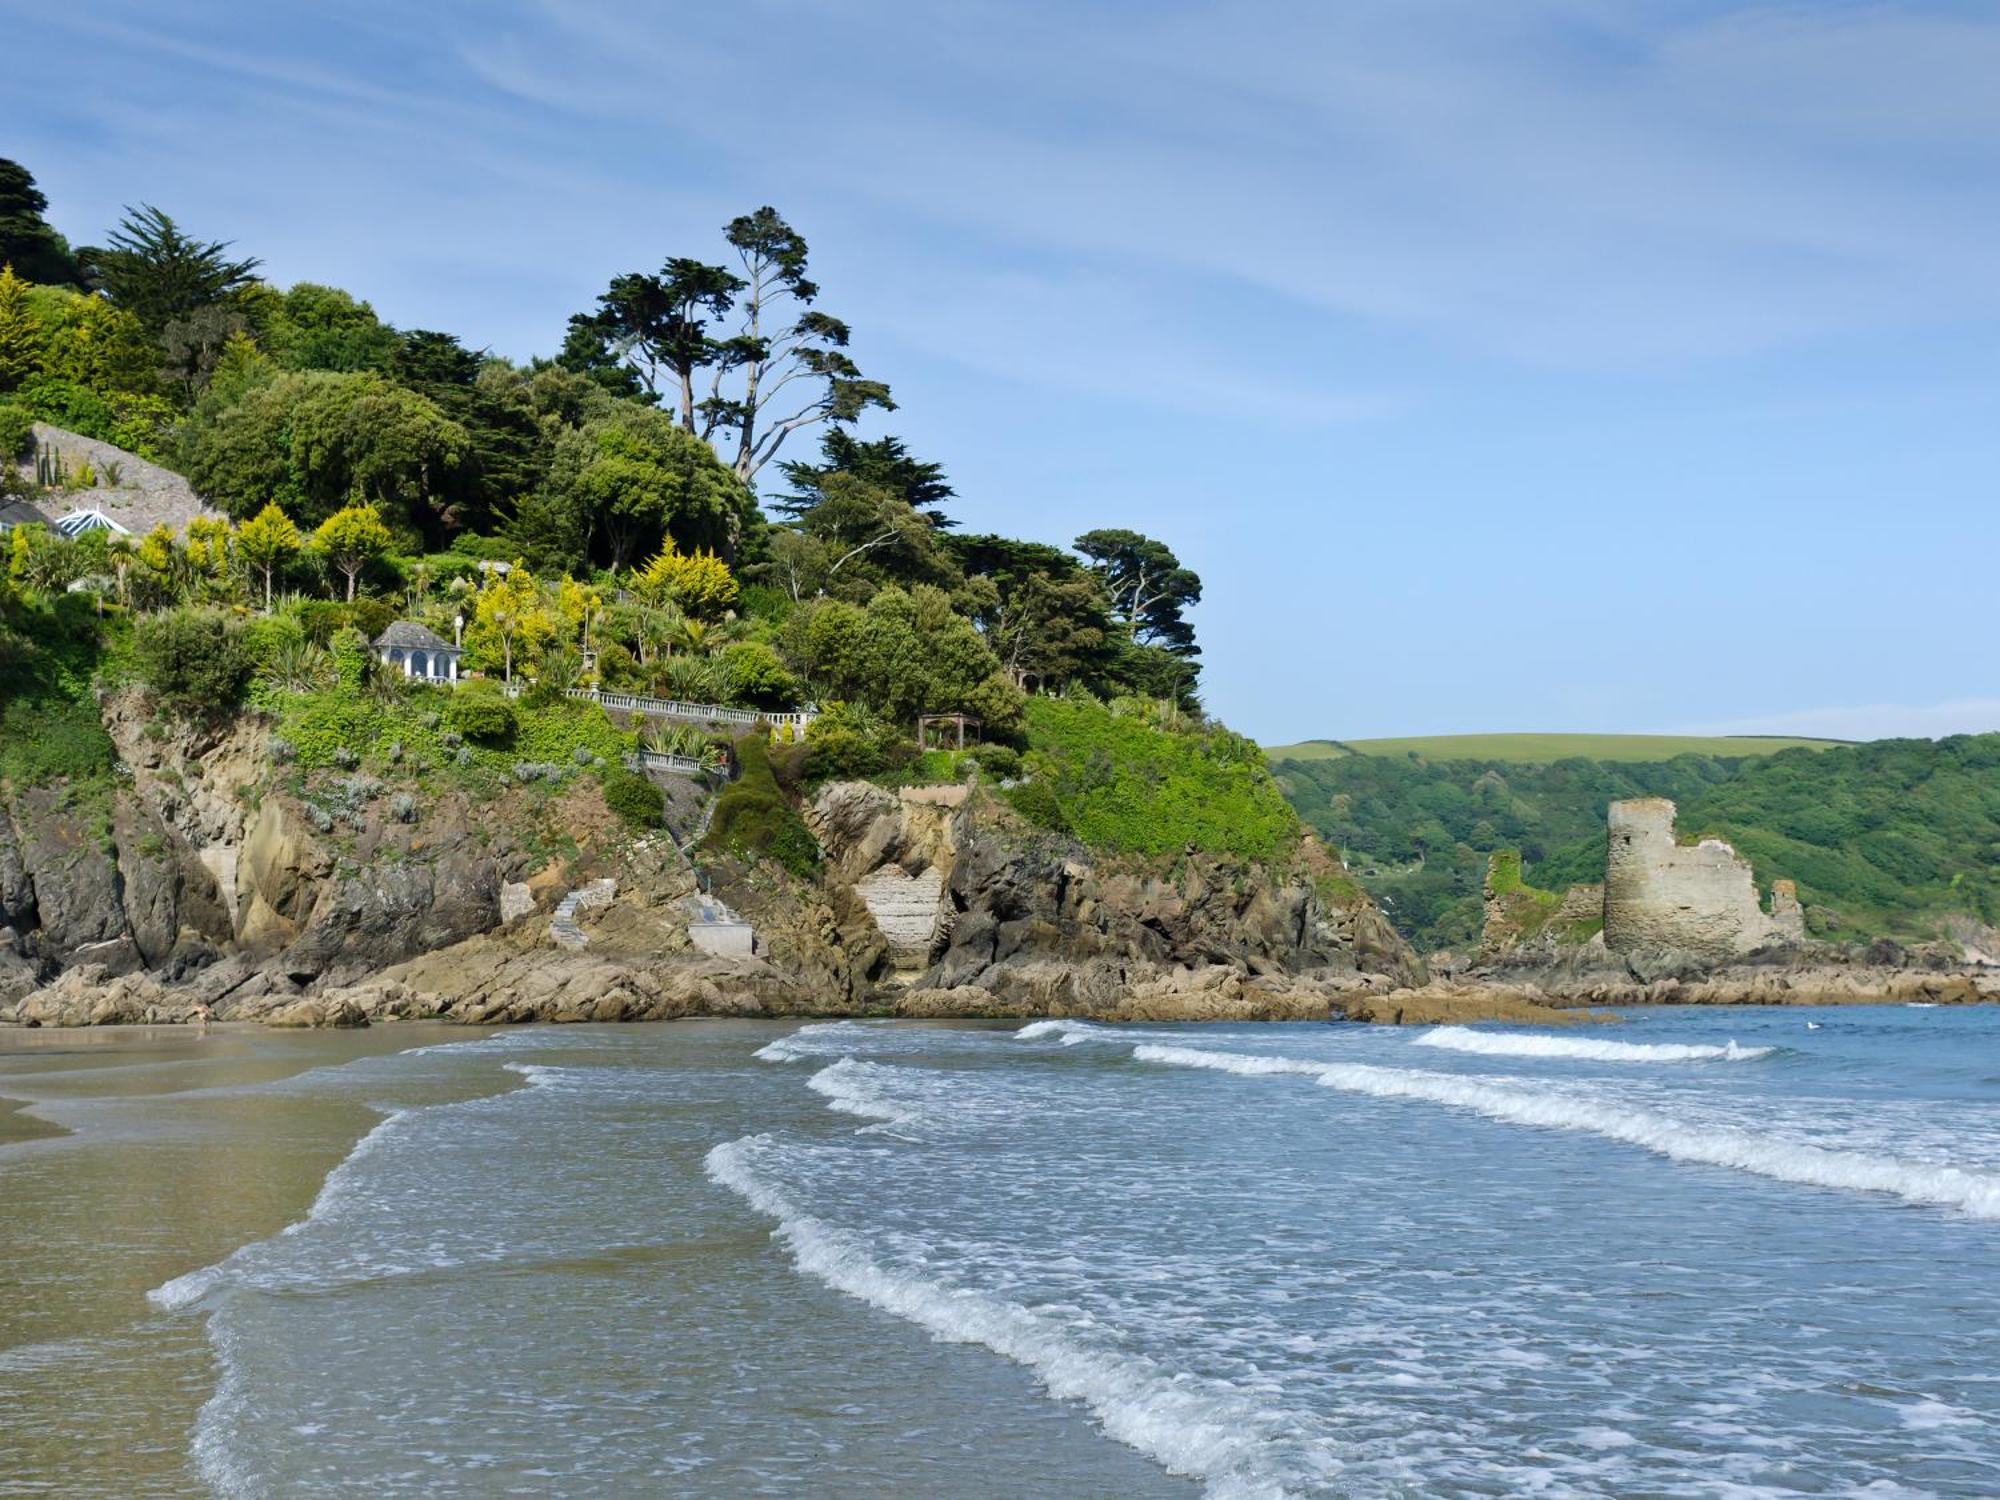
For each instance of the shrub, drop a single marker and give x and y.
(482, 714)
(844, 743)
(349, 648)
(17, 430)
(997, 761)
(403, 807)
(271, 639)
(757, 676)
(196, 661)
(754, 819)
(634, 798)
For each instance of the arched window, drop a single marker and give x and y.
(420, 664)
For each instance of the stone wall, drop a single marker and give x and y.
(1700, 898)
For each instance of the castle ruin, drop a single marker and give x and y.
(1699, 897)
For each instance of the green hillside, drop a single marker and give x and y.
(1545, 749)
(1883, 838)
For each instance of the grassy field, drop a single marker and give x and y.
(1544, 749)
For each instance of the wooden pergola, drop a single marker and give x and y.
(947, 729)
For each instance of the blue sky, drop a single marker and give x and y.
(1560, 364)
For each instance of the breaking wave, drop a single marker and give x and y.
(1201, 1427)
(856, 1088)
(819, 1040)
(1582, 1049)
(1068, 1032)
(1977, 1194)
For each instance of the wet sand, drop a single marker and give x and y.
(130, 1155)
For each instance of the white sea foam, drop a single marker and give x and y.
(1582, 1049)
(1976, 1194)
(819, 1040)
(1204, 1428)
(1068, 1032)
(184, 1291)
(858, 1088)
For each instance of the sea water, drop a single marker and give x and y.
(1701, 1253)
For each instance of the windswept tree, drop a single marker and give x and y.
(658, 328)
(1042, 613)
(1147, 586)
(350, 539)
(158, 273)
(267, 542)
(784, 368)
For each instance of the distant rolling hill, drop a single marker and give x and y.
(1546, 749)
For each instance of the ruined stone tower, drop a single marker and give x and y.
(1701, 898)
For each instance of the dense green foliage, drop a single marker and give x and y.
(586, 522)
(634, 798)
(754, 818)
(1118, 777)
(50, 653)
(196, 661)
(1881, 838)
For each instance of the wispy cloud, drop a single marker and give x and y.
(1557, 181)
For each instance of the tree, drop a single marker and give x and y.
(624, 482)
(313, 327)
(91, 343)
(20, 333)
(1147, 586)
(194, 346)
(153, 270)
(1043, 614)
(865, 534)
(509, 617)
(883, 462)
(35, 250)
(657, 326)
(699, 583)
(810, 348)
(658, 329)
(350, 539)
(266, 542)
(316, 441)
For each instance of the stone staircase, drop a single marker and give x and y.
(564, 929)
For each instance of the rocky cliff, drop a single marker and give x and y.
(210, 875)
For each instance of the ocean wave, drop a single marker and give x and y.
(1977, 1194)
(184, 1291)
(1069, 1032)
(1582, 1049)
(1203, 1428)
(858, 1088)
(821, 1039)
